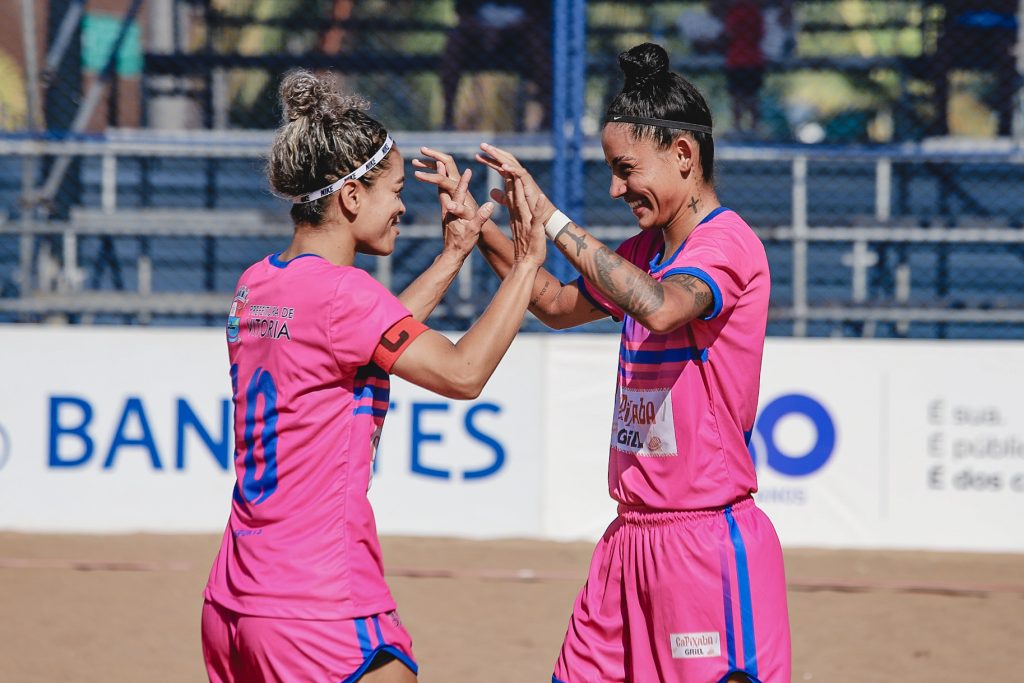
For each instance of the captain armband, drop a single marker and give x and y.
(396, 340)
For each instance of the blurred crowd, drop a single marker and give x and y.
(487, 64)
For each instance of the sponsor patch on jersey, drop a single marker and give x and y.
(235, 314)
(643, 422)
(696, 645)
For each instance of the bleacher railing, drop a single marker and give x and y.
(53, 285)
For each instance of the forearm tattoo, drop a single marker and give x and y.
(580, 240)
(605, 262)
(638, 294)
(543, 290)
(702, 298)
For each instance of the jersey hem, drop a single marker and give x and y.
(289, 611)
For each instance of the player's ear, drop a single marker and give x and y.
(684, 151)
(350, 198)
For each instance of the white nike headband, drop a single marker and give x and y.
(367, 166)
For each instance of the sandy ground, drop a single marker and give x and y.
(126, 608)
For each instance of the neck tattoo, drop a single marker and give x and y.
(693, 204)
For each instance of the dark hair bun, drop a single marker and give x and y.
(643, 64)
(304, 94)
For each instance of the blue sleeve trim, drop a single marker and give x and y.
(581, 284)
(706, 279)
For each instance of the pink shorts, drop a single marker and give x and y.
(681, 596)
(240, 648)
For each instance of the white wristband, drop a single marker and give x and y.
(554, 225)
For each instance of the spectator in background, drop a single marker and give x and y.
(703, 28)
(976, 35)
(517, 33)
(779, 41)
(744, 62)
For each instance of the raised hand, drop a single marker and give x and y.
(460, 231)
(529, 245)
(462, 222)
(507, 164)
(441, 171)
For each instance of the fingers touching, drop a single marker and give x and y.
(441, 170)
(459, 196)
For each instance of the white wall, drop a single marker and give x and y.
(928, 448)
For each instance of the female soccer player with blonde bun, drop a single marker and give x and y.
(297, 591)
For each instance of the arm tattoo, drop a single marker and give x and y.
(639, 295)
(605, 261)
(702, 298)
(580, 240)
(534, 300)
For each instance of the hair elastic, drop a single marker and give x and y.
(665, 123)
(370, 163)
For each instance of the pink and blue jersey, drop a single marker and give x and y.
(301, 540)
(688, 582)
(685, 401)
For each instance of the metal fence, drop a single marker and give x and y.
(856, 239)
(877, 149)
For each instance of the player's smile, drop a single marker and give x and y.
(636, 204)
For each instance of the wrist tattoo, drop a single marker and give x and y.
(579, 240)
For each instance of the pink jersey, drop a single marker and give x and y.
(301, 541)
(685, 402)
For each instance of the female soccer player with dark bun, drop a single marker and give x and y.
(297, 591)
(687, 584)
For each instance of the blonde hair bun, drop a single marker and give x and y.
(306, 95)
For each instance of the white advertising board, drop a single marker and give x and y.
(127, 429)
(465, 468)
(579, 400)
(114, 429)
(891, 444)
